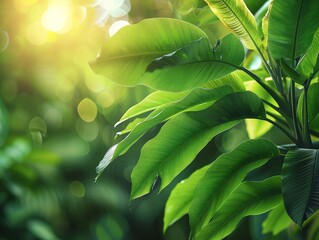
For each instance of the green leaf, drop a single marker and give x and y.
(232, 79)
(151, 102)
(250, 198)
(228, 170)
(184, 136)
(180, 198)
(237, 17)
(300, 180)
(313, 107)
(159, 99)
(195, 64)
(309, 63)
(196, 98)
(129, 128)
(276, 221)
(126, 55)
(261, 14)
(292, 24)
(290, 72)
(265, 27)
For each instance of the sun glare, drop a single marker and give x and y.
(36, 34)
(57, 18)
(117, 26)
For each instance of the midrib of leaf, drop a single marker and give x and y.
(296, 33)
(243, 25)
(204, 61)
(134, 55)
(155, 169)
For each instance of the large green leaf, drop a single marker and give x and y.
(309, 63)
(154, 100)
(276, 221)
(232, 79)
(260, 15)
(180, 198)
(237, 16)
(157, 100)
(126, 55)
(300, 180)
(292, 24)
(313, 107)
(195, 64)
(224, 176)
(250, 198)
(183, 137)
(196, 98)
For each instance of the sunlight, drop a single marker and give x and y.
(111, 4)
(117, 26)
(87, 110)
(36, 34)
(57, 18)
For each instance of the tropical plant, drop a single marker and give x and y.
(203, 89)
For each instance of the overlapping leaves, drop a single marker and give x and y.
(126, 55)
(292, 25)
(237, 16)
(167, 54)
(195, 64)
(300, 179)
(217, 183)
(183, 137)
(250, 198)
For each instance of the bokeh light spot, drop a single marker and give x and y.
(95, 82)
(111, 4)
(38, 130)
(79, 15)
(116, 26)
(38, 125)
(77, 189)
(87, 110)
(4, 41)
(56, 18)
(105, 99)
(87, 131)
(25, 5)
(36, 34)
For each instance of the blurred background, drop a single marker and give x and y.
(57, 118)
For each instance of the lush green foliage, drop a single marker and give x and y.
(198, 96)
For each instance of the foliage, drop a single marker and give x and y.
(197, 96)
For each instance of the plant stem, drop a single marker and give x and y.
(278, 98)
(292, 138)
(305, 124)
(293, 107)
(277, 109)
(277, 118)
